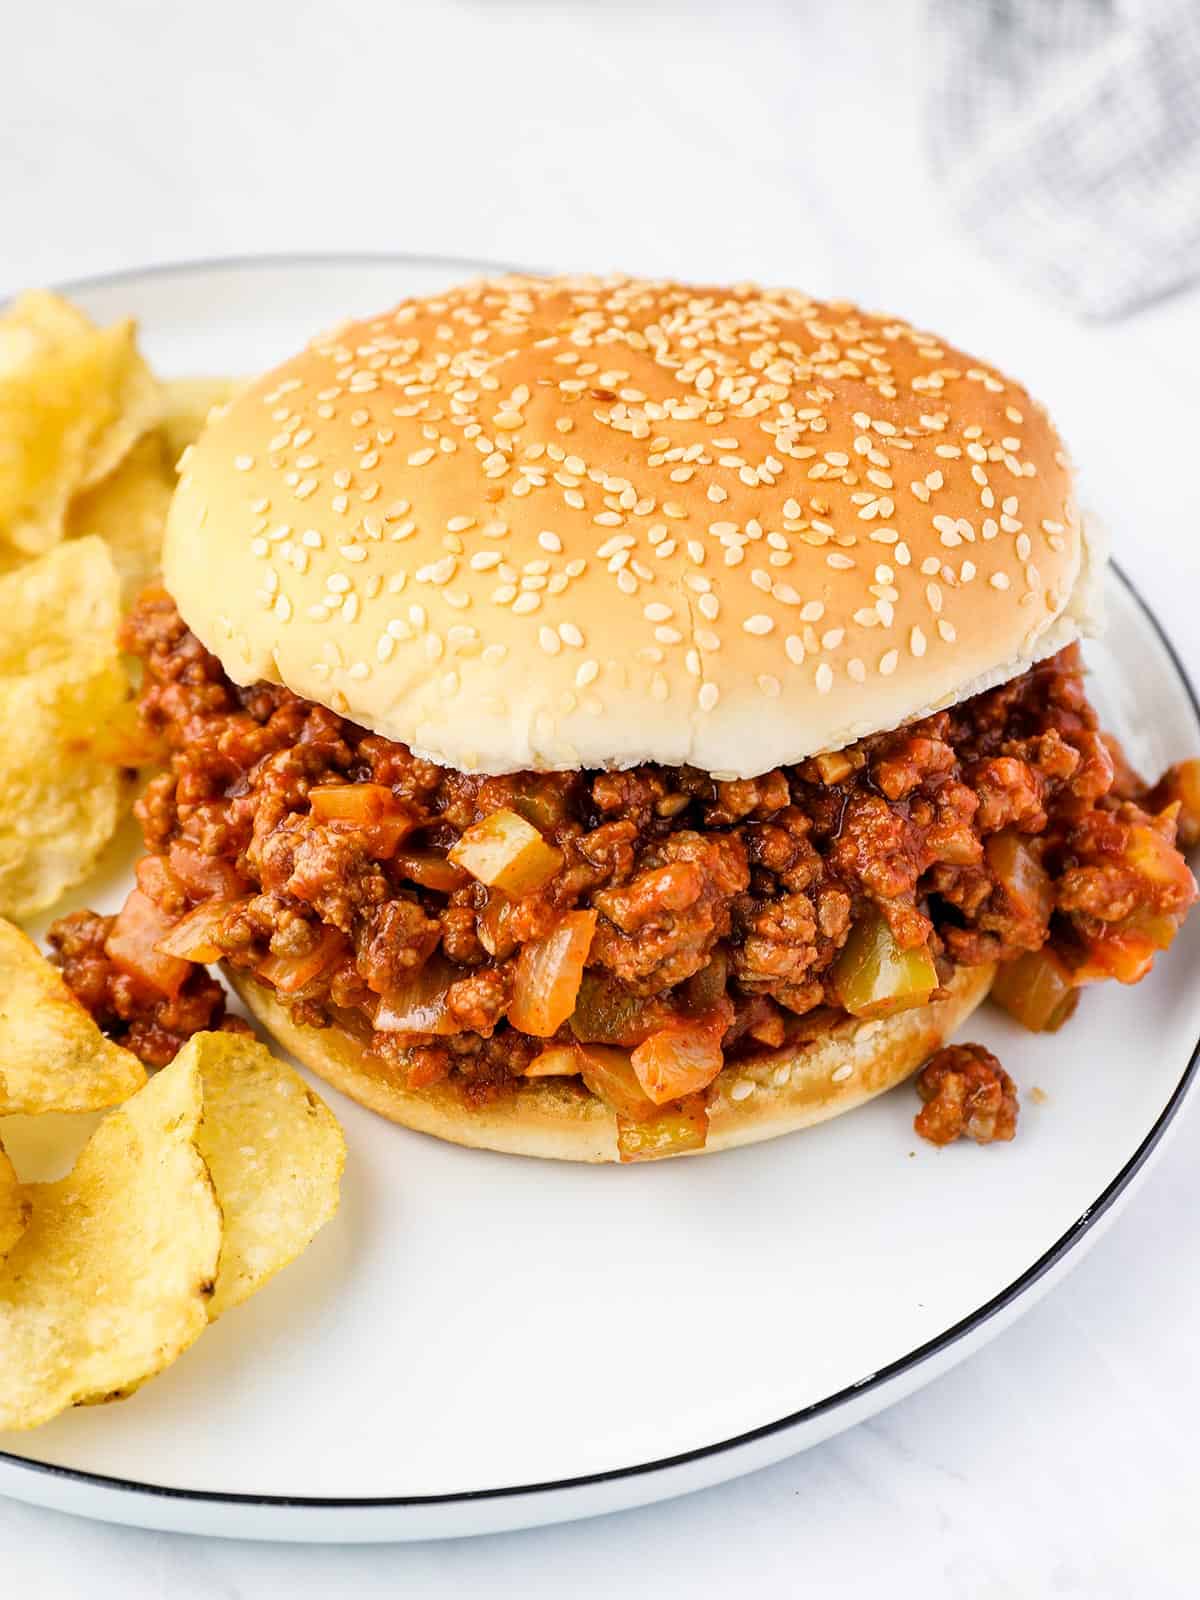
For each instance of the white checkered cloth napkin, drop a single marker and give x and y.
(1067, 134)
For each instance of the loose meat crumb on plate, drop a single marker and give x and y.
(966, 1091)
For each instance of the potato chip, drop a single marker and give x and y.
(61, 795)
(111, 1279)
(14, 1206)
(128, 510)
(275, 1152)
(186, 405)
(63, 607)
(53, 1057)
(73, 400)
(61, 799)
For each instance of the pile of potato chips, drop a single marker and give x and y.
(186, 1199)
(88, 442)
(206, 1180)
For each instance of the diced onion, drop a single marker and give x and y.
(192, 939)
(834, 766)
(548, 975)
(203, 875)
(155, 878)
(609, 1074)
(290, 973)
(557, 1061)
(420, 1004)
(492, 925)
(506, 852)
(681, 1058)
(132, 946)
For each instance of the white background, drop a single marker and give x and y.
(721, 141)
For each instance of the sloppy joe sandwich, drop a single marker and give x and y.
(609, 718)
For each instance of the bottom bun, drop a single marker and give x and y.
(766, 1095)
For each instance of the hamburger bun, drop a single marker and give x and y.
(777, 1092)
(571, 523)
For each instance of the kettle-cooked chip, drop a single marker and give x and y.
(112, 1277)
(73, 399)
(275, 1152)
(64, 699)
(128, 510)
(53, 1057)
(66, 606)
(14, 1206)
(61, 798)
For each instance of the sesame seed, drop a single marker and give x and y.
(758, 623)
(708, 696)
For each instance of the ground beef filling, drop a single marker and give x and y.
(153, 1026)
(973, 835)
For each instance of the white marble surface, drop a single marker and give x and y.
(781, 142)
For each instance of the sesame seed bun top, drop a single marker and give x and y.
(584, 522)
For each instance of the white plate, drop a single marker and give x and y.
(482, 1342)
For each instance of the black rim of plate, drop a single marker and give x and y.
(876, 1380)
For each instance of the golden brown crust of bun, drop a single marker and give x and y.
(557, 1119)
(539, 523)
